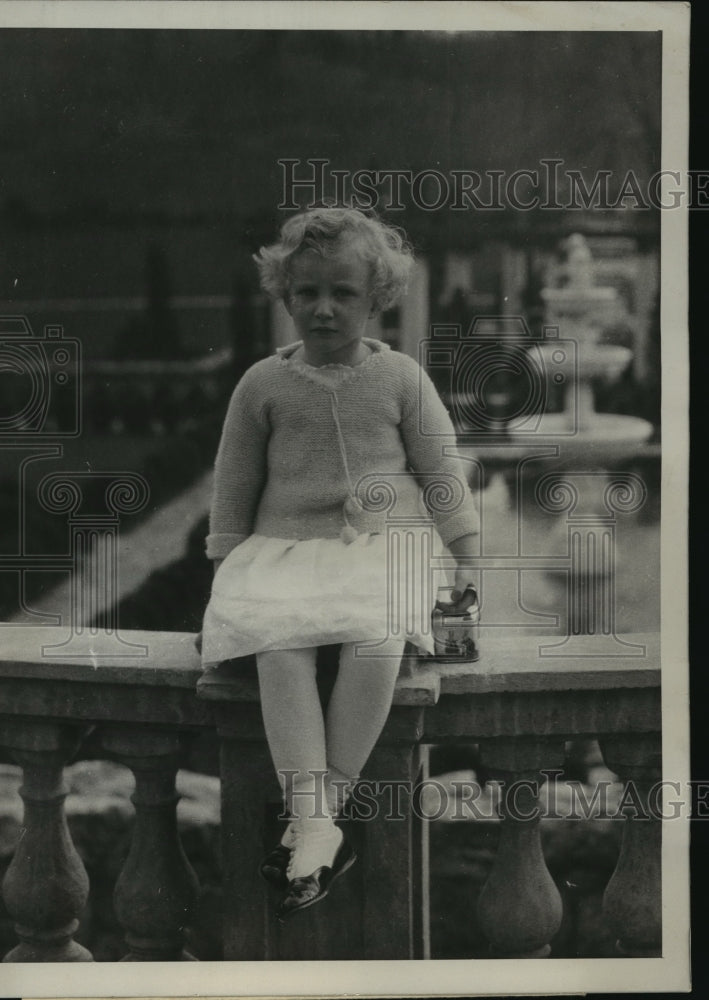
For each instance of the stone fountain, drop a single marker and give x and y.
(580, 309)
(567, 463)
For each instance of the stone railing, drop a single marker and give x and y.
(145, 709)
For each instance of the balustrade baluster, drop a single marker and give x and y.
(247, 778)
(46, 887)
(395, 858)
(632, 902)
(519, 908)
(157, 886)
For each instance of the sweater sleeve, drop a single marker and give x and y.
(240, 468)
(426, 430)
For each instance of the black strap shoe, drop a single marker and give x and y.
(309, 889)
(274, 865)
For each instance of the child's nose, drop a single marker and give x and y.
(323, 306)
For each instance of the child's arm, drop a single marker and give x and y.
(459, 525)
(240, 469)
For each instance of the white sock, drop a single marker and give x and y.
(317, 841)
(288, 838)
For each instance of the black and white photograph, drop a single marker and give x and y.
(343, 473)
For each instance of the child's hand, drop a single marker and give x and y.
(465, 550)
(463, 580)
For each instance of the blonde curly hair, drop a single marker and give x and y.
(326, 231)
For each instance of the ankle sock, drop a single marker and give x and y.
(288, 838)
(317, 841)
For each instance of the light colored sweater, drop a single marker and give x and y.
(306, 451)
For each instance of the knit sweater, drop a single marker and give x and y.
(305, 451)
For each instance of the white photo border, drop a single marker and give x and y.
(460, 977)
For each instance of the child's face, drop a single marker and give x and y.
(329, 300)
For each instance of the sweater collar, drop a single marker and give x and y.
(335, 375)
(376, 346)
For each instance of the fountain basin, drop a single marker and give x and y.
(610, 440)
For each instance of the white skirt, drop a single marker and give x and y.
(280, 593)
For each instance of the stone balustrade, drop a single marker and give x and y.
(517, 706)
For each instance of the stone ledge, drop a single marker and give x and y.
(170, 658)
(509, 662)
(522, 663)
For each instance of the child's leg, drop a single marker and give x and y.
(358, 708)
(295, 730)
(293, 720)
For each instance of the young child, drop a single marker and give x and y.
(314, 437)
